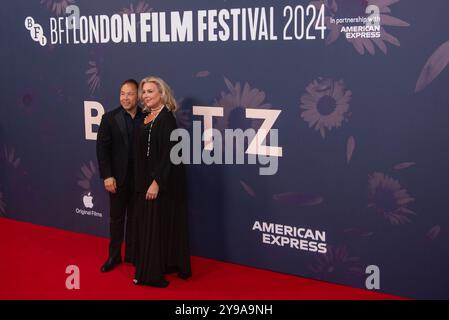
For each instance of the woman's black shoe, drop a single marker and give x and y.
(184, 276)
(157, 284)
(110, 264)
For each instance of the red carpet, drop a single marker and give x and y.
(34, 259)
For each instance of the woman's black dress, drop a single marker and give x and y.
(162, 224)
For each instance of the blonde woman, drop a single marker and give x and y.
(161, 198)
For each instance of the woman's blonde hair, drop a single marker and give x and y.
(166, 93)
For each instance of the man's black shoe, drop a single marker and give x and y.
(110, 264)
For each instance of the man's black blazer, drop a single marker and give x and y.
(112, 146)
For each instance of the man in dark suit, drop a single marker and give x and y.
(115, 159)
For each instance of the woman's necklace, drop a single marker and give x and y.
(149, 119)
(152, 115)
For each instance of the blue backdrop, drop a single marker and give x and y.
(363, 130)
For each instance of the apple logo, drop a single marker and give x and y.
(87, 200)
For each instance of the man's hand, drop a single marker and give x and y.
(110, 184)
(152, 191)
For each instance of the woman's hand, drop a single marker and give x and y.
(110, 184)
(152, 191)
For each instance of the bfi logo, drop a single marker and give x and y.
(36, 31)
